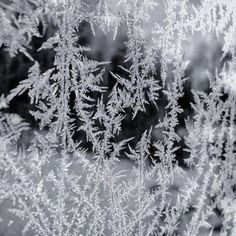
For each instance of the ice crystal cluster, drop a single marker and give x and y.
(69, 178)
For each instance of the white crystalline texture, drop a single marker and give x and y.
(139, 139)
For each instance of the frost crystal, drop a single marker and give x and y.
(136, 140)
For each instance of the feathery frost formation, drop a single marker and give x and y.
(54, 187)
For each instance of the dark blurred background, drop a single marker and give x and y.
(203, 54)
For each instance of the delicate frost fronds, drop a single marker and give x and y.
(57, 185)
